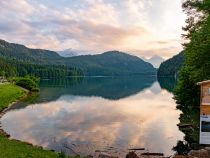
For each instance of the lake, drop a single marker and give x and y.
(82, 116)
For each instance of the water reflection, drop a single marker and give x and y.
(107, 87)
(167, 83)
(111, 116)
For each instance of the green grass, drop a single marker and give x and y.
(17, 149)
(10, 93)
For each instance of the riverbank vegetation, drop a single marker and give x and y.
(197, 64)
(29, 82)
(13, 149)
(196, 68)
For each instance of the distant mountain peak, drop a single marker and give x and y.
(120, 53)
(70, 52)
(114, 52)
(155, 60)
(156, 57)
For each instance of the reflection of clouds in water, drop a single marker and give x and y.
(143, 120)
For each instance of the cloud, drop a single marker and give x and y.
(101, 37)
(96, 25)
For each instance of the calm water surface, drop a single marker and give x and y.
(84, 115)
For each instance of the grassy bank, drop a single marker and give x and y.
(10, 93)
(17, 149)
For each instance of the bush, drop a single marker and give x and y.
(28, 82)
(35, 89)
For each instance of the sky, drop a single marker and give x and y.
(139, 27)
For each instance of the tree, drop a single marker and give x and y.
(197, 52)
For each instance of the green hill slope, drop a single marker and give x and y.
(171, 66)
(111, 63)
(108, 63)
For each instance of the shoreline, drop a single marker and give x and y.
(5, 135)
(23, 147)
(3, 112)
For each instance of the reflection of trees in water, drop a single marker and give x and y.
(61, 82)
(190, 116)
(112, 88)
(167, 83)
(188, 103)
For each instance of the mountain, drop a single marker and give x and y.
(67, 53)
(111, 63)
(172, 66)
(107, 64)
(22, 53)
(72, 52)
(154, 60)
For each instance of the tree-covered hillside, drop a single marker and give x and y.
(172, 66)
(111, 63)
(18, 60)
(22, 53)
(108, 63)
(7, 69)
(12, 67)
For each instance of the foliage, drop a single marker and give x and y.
(181, 148)
(172, 66)
(6, 70)
(8, 94)
(197, 53)
(28, 82)
(198, 13)
(46, 71)
(196, 68)
(12, 67)
(186, 91)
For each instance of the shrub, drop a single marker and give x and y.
(28, 82)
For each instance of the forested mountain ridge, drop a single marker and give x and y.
(111, 63)
(22, 53)
(172, 66)
(108, 63)
(18, 60)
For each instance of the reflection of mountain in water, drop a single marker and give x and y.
(107, 87)
(167, 83)
(155, 88)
